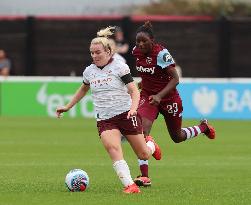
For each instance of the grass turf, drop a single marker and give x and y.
(36, 154)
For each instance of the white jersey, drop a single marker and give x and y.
(119, 57)
(109, 92)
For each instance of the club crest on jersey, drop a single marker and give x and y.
(149, 60)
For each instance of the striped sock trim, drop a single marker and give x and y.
(192, 131)
(187, 132)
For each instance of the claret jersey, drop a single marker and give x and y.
(152, 69)
(109, 93)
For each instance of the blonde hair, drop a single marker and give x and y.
(104, 37)
(104, 41)
(107, 32)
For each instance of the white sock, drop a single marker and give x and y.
(141, 162)
(191, 131)
(151, 145)
(123, 172)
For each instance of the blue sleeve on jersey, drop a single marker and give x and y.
(164, 59)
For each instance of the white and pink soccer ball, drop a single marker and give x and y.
(77, 180)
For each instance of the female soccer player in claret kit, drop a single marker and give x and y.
(156, 67)
(115, 97)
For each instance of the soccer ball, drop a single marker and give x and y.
(77, 180)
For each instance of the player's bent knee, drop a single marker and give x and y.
(143, 155)
(112, 149)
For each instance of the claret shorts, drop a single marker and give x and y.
(131, 126)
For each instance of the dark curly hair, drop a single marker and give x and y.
(146, 28)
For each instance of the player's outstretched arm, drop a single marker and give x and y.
(80, 93)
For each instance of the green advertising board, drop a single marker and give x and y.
(42, 98)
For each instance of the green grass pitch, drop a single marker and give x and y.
(36, 154)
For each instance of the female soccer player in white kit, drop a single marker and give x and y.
(115, 97)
